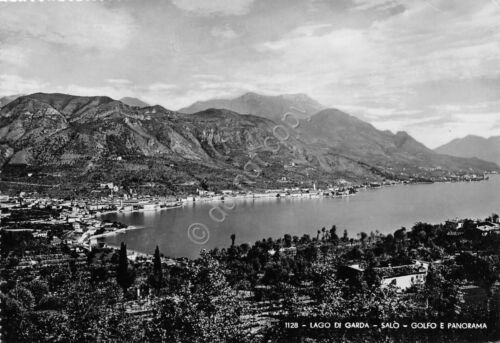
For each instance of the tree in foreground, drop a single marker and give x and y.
(334, 238)
(345, 237)
(156, 280)
(125, 275)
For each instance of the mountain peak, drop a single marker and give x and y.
(402, 134)
(404, 139)
(268, 106)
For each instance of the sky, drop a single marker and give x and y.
(428, 67)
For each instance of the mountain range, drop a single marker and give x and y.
(76, 139)
(271, 107)
(487, 149)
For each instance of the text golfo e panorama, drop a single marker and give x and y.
(387, 325)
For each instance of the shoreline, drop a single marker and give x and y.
(137, 210)
(319, 193)
(298, 200)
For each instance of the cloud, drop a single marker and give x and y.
(160, 87)
(224, 32)
(12, 55)
(207, 77)
(119, 82)
(215, 7)
(412, 58)
(496, 125)
(14, 84)
(84, 25)
(344, 56)
(432, 122)
(311, 30)
(363, 5)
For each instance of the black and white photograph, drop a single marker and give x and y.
(249, 171)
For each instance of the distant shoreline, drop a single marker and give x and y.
(118, 232)
(137, 210)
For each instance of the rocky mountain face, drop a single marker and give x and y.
(487, 149)
(73, 139)
(100, 138)
(271, 107)
(134, 102)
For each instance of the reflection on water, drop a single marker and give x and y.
(385, 209)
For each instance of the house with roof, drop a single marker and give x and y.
(288, 251)
(401, 277)
(487, 227)
(55, 241)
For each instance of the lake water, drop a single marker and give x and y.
(385, 209)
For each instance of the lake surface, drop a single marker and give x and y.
(386, 209)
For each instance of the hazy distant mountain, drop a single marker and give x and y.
(79, 139)
(487, 149)
(9, 98)
(271, 107)
(134, 102)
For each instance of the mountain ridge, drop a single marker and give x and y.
(74, 139)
